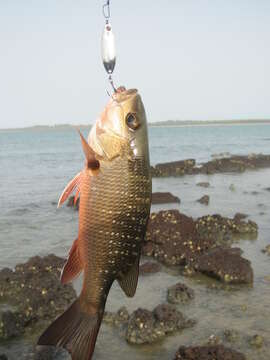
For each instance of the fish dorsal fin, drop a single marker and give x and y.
(129, 281)
(73, 266)
(91, 160)
(71, 186)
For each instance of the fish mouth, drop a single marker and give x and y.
(124, 95)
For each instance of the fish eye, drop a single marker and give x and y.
(132, 121)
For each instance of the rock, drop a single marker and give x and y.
(204, 200)
(170, 319)
(256, 341)
(176, 239)
(217, 352)
(240, 216)
(70, 203)
(232, 187)
(11, 325)
(164, 198)
(235, 163)
(145, 326)
(121, 317)
(48, 353)
(223, 229)
(35, 292)
(231, 336)
(267, 189)
(221, 155)
(213, 340)
(266, 250)
(204, 184)
(172, 238)
(226, 265)
(175, 168)
(142, 328)
(3, 357)
(149, 268)
(179, 294)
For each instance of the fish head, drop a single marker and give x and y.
(121, 126)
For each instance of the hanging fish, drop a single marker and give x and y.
(108, 51)
(115, 198)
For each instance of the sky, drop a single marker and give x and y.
(190, 59)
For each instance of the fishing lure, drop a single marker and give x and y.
(108, 50)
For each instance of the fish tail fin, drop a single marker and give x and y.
(74, 330)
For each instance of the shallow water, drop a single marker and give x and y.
(36, 171)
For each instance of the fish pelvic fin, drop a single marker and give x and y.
(74, 330)
(68, 190)
(73, 266)
(129, 281)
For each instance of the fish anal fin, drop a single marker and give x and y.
(73, 266)
(68, 190)
(129, 281)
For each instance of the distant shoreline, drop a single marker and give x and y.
(169, 123)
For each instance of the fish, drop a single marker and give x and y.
(115, 190)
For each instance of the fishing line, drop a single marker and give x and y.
(108, 51)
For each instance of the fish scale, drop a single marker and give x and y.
(111, 235)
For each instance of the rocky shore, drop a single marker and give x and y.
(202, 245)
(235, 163)
(31, 295)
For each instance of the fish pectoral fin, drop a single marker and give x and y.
(129, 281)
(68, 190)
(73, 266)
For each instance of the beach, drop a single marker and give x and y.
(35, 167)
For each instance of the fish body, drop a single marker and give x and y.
(115, 199)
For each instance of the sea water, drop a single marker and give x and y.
(35, 166)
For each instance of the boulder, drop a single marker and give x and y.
(34, 291)
(266, 250)
(176, 239)
(240, 216)
(146, 326)
(226, 265)
(121, 317)
(164, 198)
(204, 184)
(142, 328)
(11, 325)
(180, 294)
(204, 200)
(213, 352)
(235, 163)
(172, 238)
(49, 353)
(175, 168)
(149, 268)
